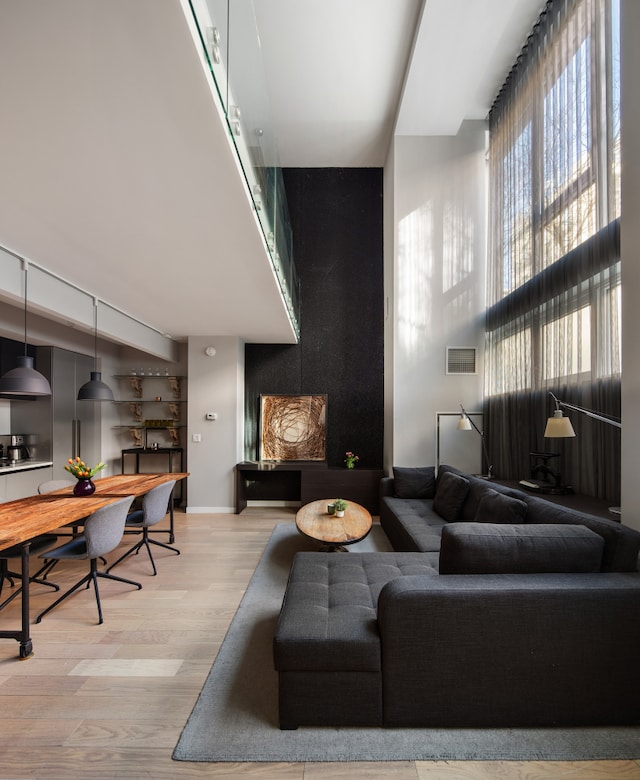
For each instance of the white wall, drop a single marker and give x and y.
(630, 245)
(438, 290)
(216, 384)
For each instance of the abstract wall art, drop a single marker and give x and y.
(293, 427)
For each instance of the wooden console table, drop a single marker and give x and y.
(306, 482)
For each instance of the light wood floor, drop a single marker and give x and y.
(106, 702)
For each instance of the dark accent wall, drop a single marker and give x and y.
(336, 218)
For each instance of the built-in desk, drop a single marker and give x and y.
(304, 482)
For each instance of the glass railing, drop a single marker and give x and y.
(229, 36)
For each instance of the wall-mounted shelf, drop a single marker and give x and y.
(162, 414)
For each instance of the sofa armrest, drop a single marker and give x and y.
(532, 646)
(386, 487)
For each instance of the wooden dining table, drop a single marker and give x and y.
(23, 519)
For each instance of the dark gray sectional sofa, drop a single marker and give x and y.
(496, 608)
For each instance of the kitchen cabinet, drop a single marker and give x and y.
(25, 483)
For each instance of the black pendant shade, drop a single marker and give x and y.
(24, 380)
(95, 389)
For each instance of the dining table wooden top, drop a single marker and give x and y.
(126, 484)
(26, 518)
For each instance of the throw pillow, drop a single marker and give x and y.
(451, 492)
(414, 482)
(495, 507)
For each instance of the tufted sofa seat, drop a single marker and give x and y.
(327, 646)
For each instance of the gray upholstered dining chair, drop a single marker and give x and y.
(54, 484)
(154, 507)
(48, 487)
(103, 531)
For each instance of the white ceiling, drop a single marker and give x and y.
(115, 169)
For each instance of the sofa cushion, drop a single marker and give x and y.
(495, 548)
(414, 482)
(451, 492)
(328, 621)
(495, 507)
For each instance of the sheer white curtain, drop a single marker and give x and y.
(553, 322)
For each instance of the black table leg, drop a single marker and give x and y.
(23, 635)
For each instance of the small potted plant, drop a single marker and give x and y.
(340, 505)
(351, 460)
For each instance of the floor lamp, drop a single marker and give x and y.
(465, 423)
(559, 426)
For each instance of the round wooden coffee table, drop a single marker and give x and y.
(313, 520)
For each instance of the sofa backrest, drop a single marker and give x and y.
(621, 544)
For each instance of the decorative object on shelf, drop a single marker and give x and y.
(24, 380)
(340, 505)
(83, 473)
(465, 423)
(95, 389)
(136, 411)
(136, 435)
(164, 423)
(136, 386)
(351, 460)
(174, 384)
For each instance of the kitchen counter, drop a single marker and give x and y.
(25, 465)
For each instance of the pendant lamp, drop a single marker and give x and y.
(95, 389)
(24, 380)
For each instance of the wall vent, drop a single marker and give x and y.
(461, 360)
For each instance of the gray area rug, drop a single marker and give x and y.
(236, 715)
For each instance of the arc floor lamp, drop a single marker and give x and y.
(465, 423)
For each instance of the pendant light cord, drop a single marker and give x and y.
(26, 277)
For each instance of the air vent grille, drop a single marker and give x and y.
(461, 360)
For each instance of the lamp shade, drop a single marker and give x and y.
(95, 389)
(464, 424)
(559, 427)
(24, 379)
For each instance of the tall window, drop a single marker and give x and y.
(553, 322)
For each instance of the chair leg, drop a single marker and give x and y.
(162, 544)
(136, 547)
(86, 578)
(5, 573)
(91, 577)
(146, 541)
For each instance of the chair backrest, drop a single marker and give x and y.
(54, 484)
(103, 530)
(156, 502)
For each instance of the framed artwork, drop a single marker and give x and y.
(293, 427)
